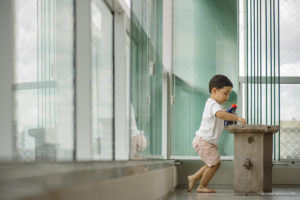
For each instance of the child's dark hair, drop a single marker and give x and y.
(219, 81)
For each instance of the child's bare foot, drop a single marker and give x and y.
(201, 189)
(191, 183)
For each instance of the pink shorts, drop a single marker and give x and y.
(207, 151)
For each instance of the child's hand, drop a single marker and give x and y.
(242, 120)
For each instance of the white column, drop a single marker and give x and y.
(167, 63)
(6, 79)
(83, 78)
(242, 52)
(121, 93)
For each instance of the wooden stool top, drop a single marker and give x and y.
(252, 128)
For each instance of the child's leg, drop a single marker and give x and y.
(195, 177)
(208, 174)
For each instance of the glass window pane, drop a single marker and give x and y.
(289, 38)
(102, 80)
(146, 79)
(262, 104)
(44, 76)
(204, 44)
(289, 122)
(26, 41)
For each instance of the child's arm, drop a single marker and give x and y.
(230, 117)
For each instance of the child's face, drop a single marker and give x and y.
(221, 95)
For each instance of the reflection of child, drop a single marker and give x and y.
(206, 139)
(138, 140)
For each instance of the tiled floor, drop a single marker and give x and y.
(279, 193)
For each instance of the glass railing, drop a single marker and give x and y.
(205, 43)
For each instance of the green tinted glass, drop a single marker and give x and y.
(146, 76)
(205, 43)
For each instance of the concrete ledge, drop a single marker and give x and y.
(150, 185)
(102, 180)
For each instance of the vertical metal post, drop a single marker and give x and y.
(167, 80)
(7, 65)
(83, 92)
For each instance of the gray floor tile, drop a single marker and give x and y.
(279, 193)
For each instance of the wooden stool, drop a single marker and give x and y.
(253, 145)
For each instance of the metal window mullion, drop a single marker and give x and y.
(271, 72)
(45, 65)
(247, 87)
(257, 64)
(260, 68)
(46, 22)
(82, 37)
(41, 65)
(266, 31)
(274, 57)
(46, 59)
(271, 66)
(254, 60)
(274, 39)
(283, 79)
(251, 62)
(167, 49)
(43, 62)
(55, 76)
(278, 17)
(38, 60)
(49, 64)
(10, 30)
